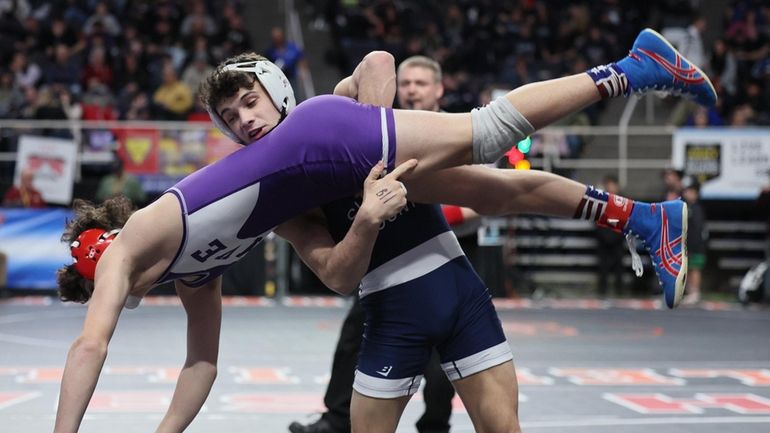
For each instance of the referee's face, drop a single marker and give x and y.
(418, 89)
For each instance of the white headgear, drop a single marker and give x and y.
(275, 84)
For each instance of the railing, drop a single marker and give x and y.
(10, 129)
(294, 32)
(558, 253)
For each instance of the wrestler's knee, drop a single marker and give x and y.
(504, 425)
(377, 64)
(379, 59)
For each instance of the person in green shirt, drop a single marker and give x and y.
(118, 182)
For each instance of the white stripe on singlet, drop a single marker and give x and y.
(382, 387)
(420, 260)
(385, 142)
(477, 362)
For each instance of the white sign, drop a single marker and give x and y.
(53, 161)
(728, 163)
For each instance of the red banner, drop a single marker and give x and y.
(139, 150)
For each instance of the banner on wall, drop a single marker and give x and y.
(30, 239)
(219, 145)
(160, 158)
(53, 161)
(138, 148)
(728, 163)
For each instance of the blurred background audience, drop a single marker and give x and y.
(85, 44)
(24, 194)
(139, 60)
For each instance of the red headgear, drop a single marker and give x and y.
(88, 248)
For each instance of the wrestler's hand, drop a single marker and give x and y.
(385, 196)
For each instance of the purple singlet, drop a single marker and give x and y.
(321, 152)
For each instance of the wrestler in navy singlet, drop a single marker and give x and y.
(420, 291)
(322, 151)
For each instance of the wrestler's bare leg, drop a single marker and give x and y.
(441, 140)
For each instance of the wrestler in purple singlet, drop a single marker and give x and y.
(321, 152)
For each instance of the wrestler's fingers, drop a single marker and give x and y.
(405, 168)
(376, 172)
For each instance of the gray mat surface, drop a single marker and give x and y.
(583, 367)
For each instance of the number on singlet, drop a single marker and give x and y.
(216, 246)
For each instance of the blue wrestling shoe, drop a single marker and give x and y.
(662, 228)
(654, 64)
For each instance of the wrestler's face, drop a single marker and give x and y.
(418, 89)
(250, 113)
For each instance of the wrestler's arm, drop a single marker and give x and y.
(203, 306)
(88, 352)
(309, 235)
(341, 266)
(372, 82)
(135, 259)
(364, 84)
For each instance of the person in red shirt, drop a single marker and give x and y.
(25, 194)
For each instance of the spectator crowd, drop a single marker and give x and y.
(141, 60)
(112, 59)
(512, 42)
(144, 60)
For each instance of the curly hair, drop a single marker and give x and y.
(220, 84)
(112, 214)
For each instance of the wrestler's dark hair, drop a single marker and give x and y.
(110, 215)
(220, 84)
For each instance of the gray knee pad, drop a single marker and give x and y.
(496, 128)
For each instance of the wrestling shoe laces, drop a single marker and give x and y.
(636, 259)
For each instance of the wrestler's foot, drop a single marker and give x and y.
(662, 228)
(653, 64)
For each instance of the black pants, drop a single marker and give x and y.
(438, 392)
(610, 250)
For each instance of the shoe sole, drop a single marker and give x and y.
(681, 278)
(708, 81)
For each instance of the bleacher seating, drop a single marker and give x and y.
(559, 255)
